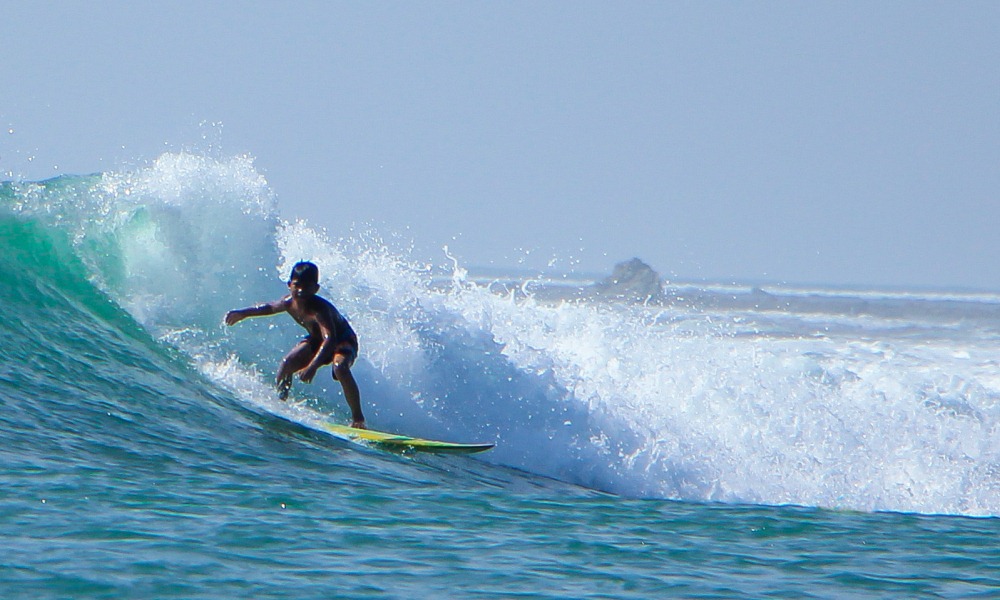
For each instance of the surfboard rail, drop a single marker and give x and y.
(403, 442)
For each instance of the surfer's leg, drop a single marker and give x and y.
(342, 373)
(294, 361)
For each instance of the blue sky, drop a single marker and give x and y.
(819, 142)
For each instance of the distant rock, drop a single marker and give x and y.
(632, 280)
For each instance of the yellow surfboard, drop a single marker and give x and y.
(401, 442)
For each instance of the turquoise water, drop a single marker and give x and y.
(145, 456)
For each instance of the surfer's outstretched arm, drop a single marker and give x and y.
(270, 308)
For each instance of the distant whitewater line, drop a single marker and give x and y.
(575, 284)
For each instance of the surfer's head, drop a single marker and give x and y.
(305, 277)
(305, 272)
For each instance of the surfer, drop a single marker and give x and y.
(330, 339)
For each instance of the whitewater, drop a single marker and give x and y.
(632, 438)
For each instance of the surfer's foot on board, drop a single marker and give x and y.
(358, 424)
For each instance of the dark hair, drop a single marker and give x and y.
(305, 272)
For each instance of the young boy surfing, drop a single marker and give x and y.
(330, 338)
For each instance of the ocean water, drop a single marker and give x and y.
(733, 441)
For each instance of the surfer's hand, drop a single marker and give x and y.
(307, 374)
(233, 317)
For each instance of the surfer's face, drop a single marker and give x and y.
(299, 289)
